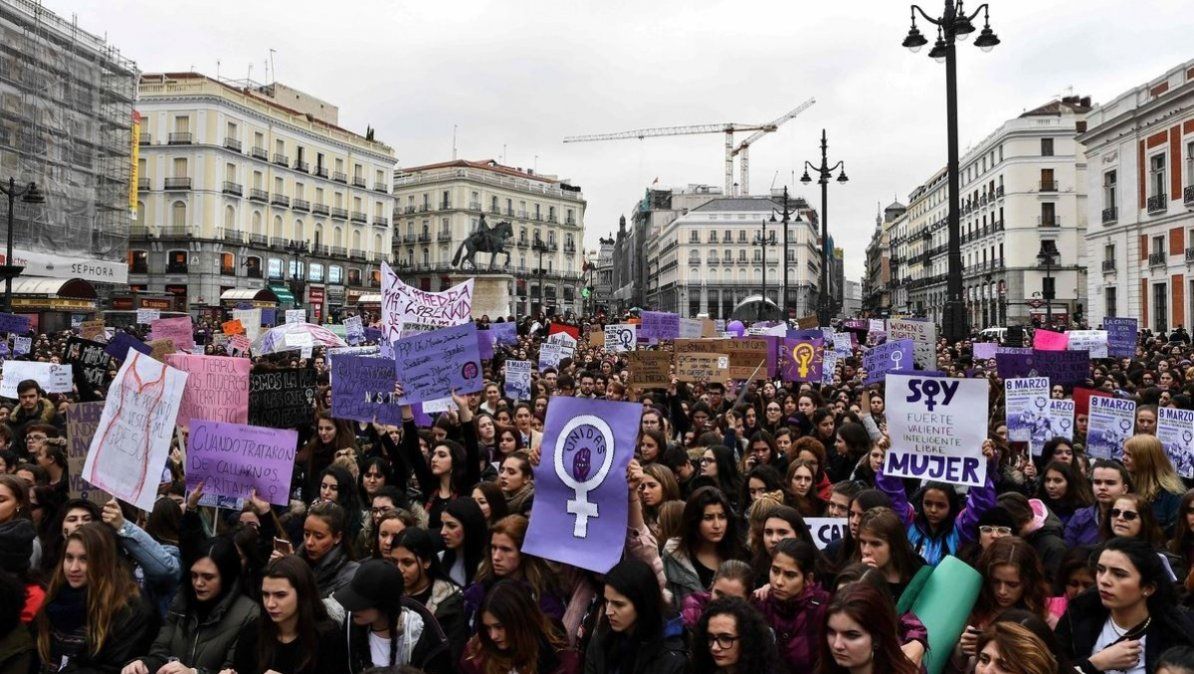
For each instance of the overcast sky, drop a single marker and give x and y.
(522, 74)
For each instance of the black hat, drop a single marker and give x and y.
(997, 516)
(376, 584)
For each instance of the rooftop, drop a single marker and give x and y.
(486, 165)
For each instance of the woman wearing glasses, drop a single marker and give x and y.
(732, 637)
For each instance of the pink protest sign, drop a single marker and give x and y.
(217, 388)
(1047, 340)
(179, 329)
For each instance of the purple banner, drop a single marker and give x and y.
(804, 360)
(504, 334)
(659, 325)
(431, 365)
(809, 333)
(373, 334)
(1013, 362)
(269, 316)
(485, 342)
(14, 324)
(1068, 368)
(122, 341)
(898, 356)
(579, 514)
(232, 459)
(363, 389)
(1121, 337)
(774, 346)
(984, 350)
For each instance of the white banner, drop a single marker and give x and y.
(620, 337)
(923, 335)
(1111, 422)
(826, 530)
(50, 377)
(1026, 401)
(937, 427)
(1094, 341)
(401, 304)
(1175, 430)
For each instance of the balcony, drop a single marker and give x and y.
(1048, 185)
(259, 153)
(358, 255)
(524, 244)
(359, 181)
(320, 209)
(319, 249)
(510, 211)
(423, 208)
(381, 221)
(445, 206)
(409, 238)
(180, 138)
(714, 262)
(443, 236)
(1110, 214)
(303, 166)
(1048, 221)
(279, 200)
(233, 188)
(409, 209)
(277, 242)
(340, 213)
(258, 240)
(358, 216)
(281, 159)
(1190, 255)
(178, 184)
(1188, 196)
(176, 269)
(301, 205)
(145, 139)
(339, 251)
(1108, 265)
(143, 185)
(340, 177)
(1158, 203)
(381, 187)
(474, 205)
(256, 194)
(321, 171)
(233, 236)
(425, 237)
(1156, 259)
(999, 191)
(232, 144)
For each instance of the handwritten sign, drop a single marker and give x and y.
(14, 324)
(1110, 423)
(160, 348)
(148, 316)
(433, 364)
(937, 427)
(517, 385)
(1121, 336)
(620, 337)
(282, 398)
(894, 356)
(81, 422)
(1175, 430)
(1093, 341)
(1048, 340)
(402, 304)
(649, 369)
(89, 360)
(93, 330)
(597, 337)
(693, 367)
(217, 388)
(232, 327)
(808, 322)
(692, 328)
(363, 390)
(250, 319)
(233, 459)
(660, 325)
(132, 439)
(296, 315)
(179, 329)
(924, 338)
(51, 377)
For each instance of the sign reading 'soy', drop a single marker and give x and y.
(937, 427)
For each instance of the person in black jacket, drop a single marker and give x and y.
(405, 629)
(634, 636)
(1129, 618)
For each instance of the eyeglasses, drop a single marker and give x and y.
(706, 461)
(723, 641)
(1127, 515)
(991, 529)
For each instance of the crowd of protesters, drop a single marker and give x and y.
(401, 550)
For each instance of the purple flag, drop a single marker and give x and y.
(897, 356)
(579, 514)
(804, 360)
(1068, 368)
(231, 459)
(1013, 362)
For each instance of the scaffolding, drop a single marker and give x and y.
(66, 114)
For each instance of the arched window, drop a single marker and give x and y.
(356, 238)
(229, 219)
(318, 236)
(253, 267)
(176, 262)
(228, 264)
(178, 215)
(138, 262)
(278, 227)
(337, 236)
(256, 218)
(377, 247)
(141, 214)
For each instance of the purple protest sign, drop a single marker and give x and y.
(1068, 368)
(363, 390)
(808, 333)
(897, 356)
(485, 341)
(269, 316)
(984, 350)
(803, 360)
(659, 325)
(579, 514)
(232, 459)
(431, 365)
(504, 334)
(1013, 362)
(373, 334)
(118, 347)
(14, 324)
(1121, 336)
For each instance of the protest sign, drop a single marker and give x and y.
(1047, 340)
(281, 398)
(148, 316)
(597, 337)
(829, 368)
(296, 315)
(431, 365)
(217, 388)
(984, 350)
(803, 360)
(826, 530)
(21, 345)
(122, 341)
(14, 324)
(937, 428)
(81, 421)
(363, 390)
(239, 345)
(550, 355)
(250, 319)
(232, 327)
(160, 348)
(337, 351)
(1061, 419)
(693, 367)
(924, 338)
(93, 330)
(1111, 423)
(402, 304)
(896, 356)
(649, 369)
(485, 344)
(373, 334)
(354, 330)
(132, 440)
(504, 334)
(808, 322)
(1175, 430)
(565, 339)
(90, 362)
(620, 337)
(1013, 362)
(660, 325)
(1026, 402)
(517, 384)
(748, 357)
(179, 329)
(876, 326)
(1093, 341)
(1121, 337)
(843, 344)
(232, 460)
(691, 328)
(580, 511)
(1068, 368)
(51, 377)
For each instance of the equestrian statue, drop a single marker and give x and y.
(486, 239)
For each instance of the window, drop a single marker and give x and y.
(180, 167)
(1159, 245)
(228, 264)
(176, 262)
(1046, 147)
(354, 277)
(182, 124)
(178, 215)
(335, 274)
(316, 272)
(1047, 182)
(1160, 307)
(275, 268)
(694, 236)
(1110, 299)
(1109, 181)
(1049, 214)
(138, 262)
(1156, 179)
(713, 236)
(230, 172)
(253, 267)
(1109, 254)
(1190, 163)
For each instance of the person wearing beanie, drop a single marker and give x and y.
(993, 524)
(384, 628)
(1038, 527)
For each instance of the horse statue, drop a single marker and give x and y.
(486, 239)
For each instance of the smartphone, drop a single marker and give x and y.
(283, 546)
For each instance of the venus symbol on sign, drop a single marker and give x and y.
(896, 357)
(589, 434)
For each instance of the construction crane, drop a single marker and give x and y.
(728, 128)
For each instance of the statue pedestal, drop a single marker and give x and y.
(492, 294)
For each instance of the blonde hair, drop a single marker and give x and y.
(1022, 651)
(1152, 472)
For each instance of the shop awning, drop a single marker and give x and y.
(283, 294)
(53, 287)
(249, 294)
(371, 298)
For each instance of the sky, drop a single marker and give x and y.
(515, 77)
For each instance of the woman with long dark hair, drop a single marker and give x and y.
(794, 606)
(336, 485)
(513, 635)
(732, 637)
(718, 463)
(506, 561)
(883, 544)
(517, 481)
(465, 536)
(861, 635)
(413, 552)
(842, 551)
(709, 537)
(1063, 490)
(452, 468)
(635, 634)
(294, 634)
(489, 496)
(331, 435)
(325, 547)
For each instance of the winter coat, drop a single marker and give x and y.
(930, 546)
(1083, 527)
(447, 605)
(798, 625)
(1046, 539)
(1166, 505)
(17, 651)
(693, 607)
(206, 645)
(132, 631)
(682, 578)
(665, 655)
(332, 572)
(44, 413)
(422, 642)
(474, 595)
(1083, 621)
(158, 565)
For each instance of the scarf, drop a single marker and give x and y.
(519, 498)
(68, 610)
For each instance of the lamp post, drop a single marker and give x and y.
(541, 248)
(1045, 257)
(952, 26)
(824, 173)
(29, 194)
(761, 240)
(296, 282)
(785, 219)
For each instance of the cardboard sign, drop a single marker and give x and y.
(660, 325)
(937, 427)
(808, 322)
(649, 369)
(363, 390)
(597, 338)
(1093, 341)
(694, 367)
(894, 356)
(90, 361)
(179, 329)
(232, 460)
(81, 422)
(160, 348)
(804, 360)
(250, 320)
(93, 330)
(232, 327)
(1047, 340)
(1121, 337)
